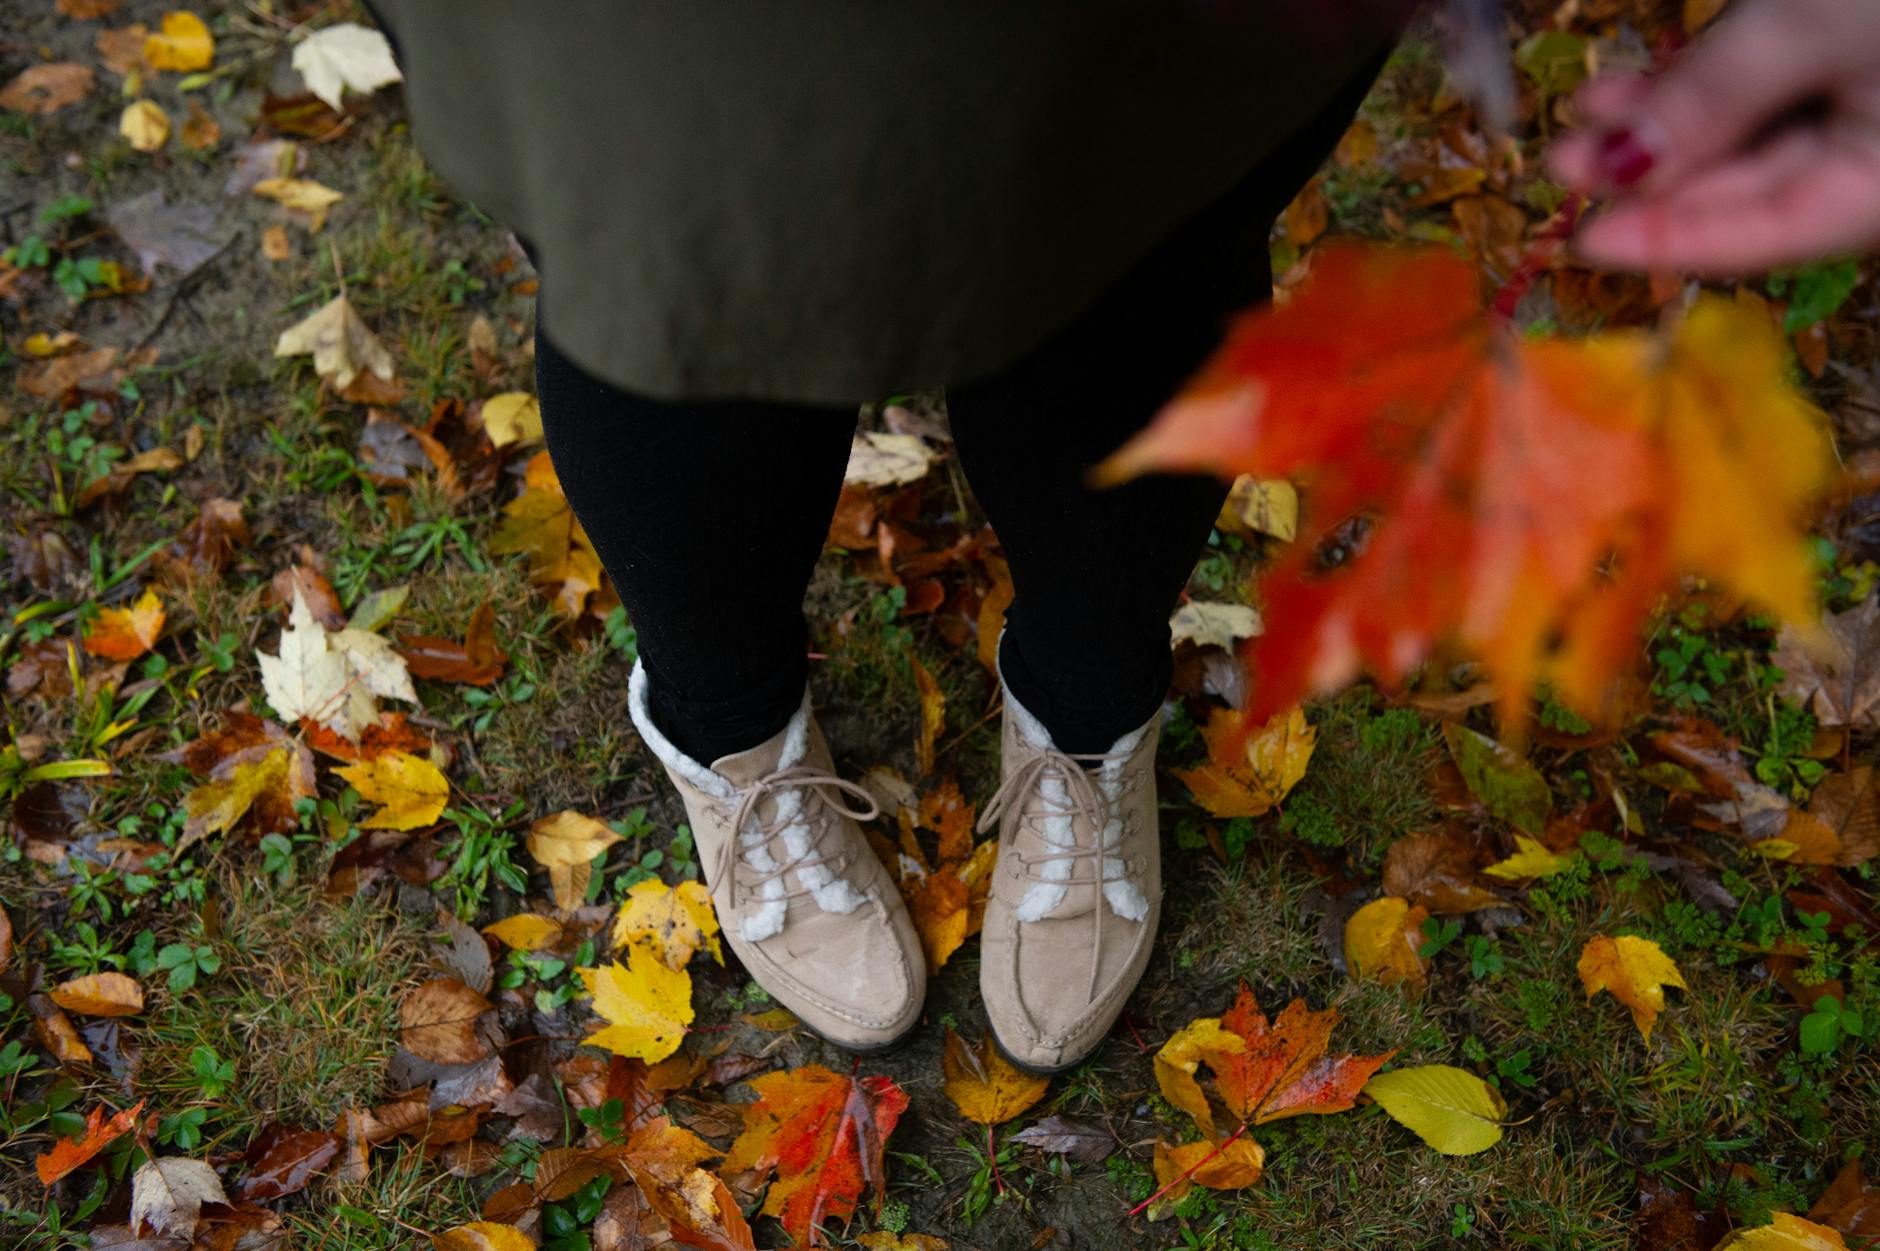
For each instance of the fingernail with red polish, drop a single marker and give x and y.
(1623, 157)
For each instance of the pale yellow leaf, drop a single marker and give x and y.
(144, 125)
(678, 923)
(1451, 1109)
(1636, 971)
(341, 346)
(302, 195)
(647, 1006)
(525, 932)
(1531, 859)
(410, 790)
(512, 417)
(167, 1195)
(183, 44)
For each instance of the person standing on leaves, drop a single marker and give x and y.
(749, 220)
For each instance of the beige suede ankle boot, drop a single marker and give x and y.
(1075, 899)
(801, 897)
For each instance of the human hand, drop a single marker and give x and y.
(1759, 147)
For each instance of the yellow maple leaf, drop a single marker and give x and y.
(565, 843)
(525, 932)
(983, 1085)
(410, 790)
(1230, 1166)
(647, 1006)
(1201, 1040)
(1786, 1232)
(1382, 938)
(1531, 859)
(539, 524)
(1248, 783)
(1636, 971)
(126, 633)
(183, 44)
(678, 923)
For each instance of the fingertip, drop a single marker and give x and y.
(1573, 161)
(1612, 99)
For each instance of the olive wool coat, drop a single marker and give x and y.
(828, 201)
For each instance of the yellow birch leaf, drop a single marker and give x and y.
(126, 633)
(1635, 970)
(1451, 1109)
(1381, 941)
(983, 1085)
(1531, 859)
(525, 932)
(512, 417)
(565, 844)
(100, 994)
(144, 125)
(647, 1006)
(410, 790)
(1785, 1232)
(183, 44)
(678, 923)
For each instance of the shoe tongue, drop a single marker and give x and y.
(747, 766)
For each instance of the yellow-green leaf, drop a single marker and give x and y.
(1531, 859)
(1451, 1109)
(512, 417)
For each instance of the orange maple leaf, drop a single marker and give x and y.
(68, 1153)
(1263, 1071)
(539, 523)
(126, 633)
(1532, 497)
(823, 1134)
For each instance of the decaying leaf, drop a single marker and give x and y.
(1435, 870)
(1382, 939)
(1508, 786)
(254, 774)
(888, 460)
(1245, 777)
(677, 922)
(47, 88)
(539, 524)
(933, 715)
(565, 843)
(1085, 1141)
(483, 1236)
(823, 1135)
(438, 1021)
(512, 417)
(167, 1195)
(333, 678)
(1835, 672)
(1451, 1109)
(1231, 1165)
(646, 1005)
(983, 1085)
(344, 55)
(100, 994)
(1636, 971)
(339, 342)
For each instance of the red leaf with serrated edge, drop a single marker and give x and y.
(68, 1153)
(1532, 497)
(823, 1134)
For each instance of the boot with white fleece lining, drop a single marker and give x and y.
(802, 900)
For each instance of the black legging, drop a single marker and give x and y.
(710, 515)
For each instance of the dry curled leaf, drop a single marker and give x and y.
(984, 1085)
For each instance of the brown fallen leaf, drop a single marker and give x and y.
(207, 544)
(1836, 676)
(1436, 870)
(1078, 1138)
(477, 661)
(438, 1021)
(306, 577)
(100, 994)
(68, 1153)
(283, 1159)
(55, 1033)
(1851, 1205)
(43, 89)
(1848, 804)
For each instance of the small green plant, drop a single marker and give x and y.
(1438, 933)
(1485, 959)
(1780, 762)
(1814, 291)
(621, 636)
(1515, 1068)
(481, 855)
(1828, 1023)
(213, 1074)
(1461, 1220)
(183, 1130)
(186, 962)
(564, 1223)
(1689, 668)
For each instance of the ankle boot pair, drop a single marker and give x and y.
(820, 925)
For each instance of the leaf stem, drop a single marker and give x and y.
(1540, 254)
(1190, 1171)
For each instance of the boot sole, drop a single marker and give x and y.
(1038, 1070)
